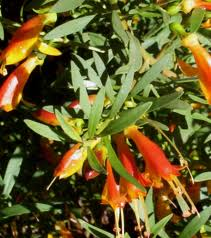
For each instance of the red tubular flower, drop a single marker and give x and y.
(189, 5)
(25, 39)
(12, 88)
(46, 117)
(157, 166)
(132, 192)
(71, 162)
(128, 162)
(203, 62)
(47, 151)
(111, 195)
(73, 159)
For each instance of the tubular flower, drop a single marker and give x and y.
(111, 195)
(128, 162)
(25, 40)
(12, 88)
(158, 167)
(189, 5)
(132, 192)
(46, 117)
(203, 62)
(73, 159)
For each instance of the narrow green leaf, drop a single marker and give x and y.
(71, 132)
(20, 209)
(12, 171)
(84, 101)
(196, 19)
(196, 223)
(151, 74)
(109, 89)
(201, 117)
(208, 138)
(126, 119)
(15, 210)
(95, 113)
(1, 32)
(93, 161)
(135, 58)
(97, 232)
(100, 66)
(66, 5)
(123, 93)
(203, 177)
(160, 225)
(164, 101)
(77, 79)
(43, 130)
(118, 28)
(118, 167)
(197, 99)
(69, 27)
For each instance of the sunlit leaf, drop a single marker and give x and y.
(196, 19)
(43, 130)
(126, 119)
(66, 5)
(95, 113)
(97, 232)
(67, 128)
(12, 171)
(69, 27)
(203, 177)
(196, 223)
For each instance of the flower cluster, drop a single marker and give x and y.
(117, 194)
(24, 41)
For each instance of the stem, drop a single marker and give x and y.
(117, 229)
(122, 222)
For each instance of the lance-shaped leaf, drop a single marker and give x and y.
(95, 113)
(69, 27)
(68, 129)
(43, 130)
(126, 119)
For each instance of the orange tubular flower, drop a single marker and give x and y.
(133, 193)
(203, 62)
(111, 195)
(12, 88)
(25, 39)
(128, 161)
(189, 5)
(46, 117)
(158, 167)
